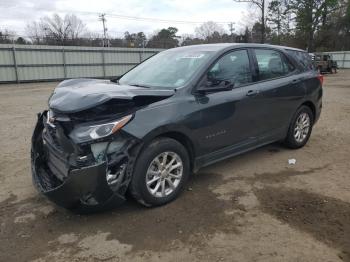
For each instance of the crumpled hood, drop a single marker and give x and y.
(75, 95)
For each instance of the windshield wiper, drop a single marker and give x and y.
(138, 85)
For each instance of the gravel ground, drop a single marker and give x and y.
(254, 207)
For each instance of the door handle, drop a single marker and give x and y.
(295, 81)
(252, 92)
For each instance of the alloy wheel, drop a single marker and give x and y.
(164, 174)
(302, 127)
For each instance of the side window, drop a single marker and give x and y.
(303, 59)
(233, 67)
(272, 64)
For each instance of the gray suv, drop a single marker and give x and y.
(182, 109)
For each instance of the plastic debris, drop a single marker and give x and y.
(292, 161)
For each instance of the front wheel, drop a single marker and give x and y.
(300, 128)
(160, 173)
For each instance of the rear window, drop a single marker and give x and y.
(272, 64)
(303, 59)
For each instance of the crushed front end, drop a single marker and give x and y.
(78, 173)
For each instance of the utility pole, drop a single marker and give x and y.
(103, 19)
(231, 29)
(263, 21)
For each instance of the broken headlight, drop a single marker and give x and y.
(86, 133)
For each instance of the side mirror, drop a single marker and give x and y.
(216, 86)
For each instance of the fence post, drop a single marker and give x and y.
(15, 63)
(140, 55)
(64, 64)
(344, 56)
(103, 62)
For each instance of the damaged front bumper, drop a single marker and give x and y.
(80, 183)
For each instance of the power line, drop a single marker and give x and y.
(136, 18)
(149, 19)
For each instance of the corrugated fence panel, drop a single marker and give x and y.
(30, 63)
(117, 70)
(35, 57)
(85, 71)
(122, 57)
(40, 73)
(6, 57)
(7, 74)
(83, 57)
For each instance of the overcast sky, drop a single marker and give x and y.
(15, 14)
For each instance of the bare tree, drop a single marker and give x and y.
(207, 29)
(34, 32)
(57, 29)
(261, 4)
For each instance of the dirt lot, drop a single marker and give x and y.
(254, 207)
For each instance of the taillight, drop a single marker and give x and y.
(320, 77)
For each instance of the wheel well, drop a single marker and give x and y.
(185, 141)
(311, 106)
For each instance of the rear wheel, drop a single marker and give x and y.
(300, 128)
(160, 173)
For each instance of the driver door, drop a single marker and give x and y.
(227, 118)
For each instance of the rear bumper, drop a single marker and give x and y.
(82, 188)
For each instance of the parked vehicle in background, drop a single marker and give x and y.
(181, 110)
(325, 63)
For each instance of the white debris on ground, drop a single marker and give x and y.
(292, 161)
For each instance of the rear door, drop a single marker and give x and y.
(280, 90)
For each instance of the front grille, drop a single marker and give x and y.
(56, 158)
(56, 163)
(53, 135)
(60, 151)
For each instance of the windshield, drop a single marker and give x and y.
(167, 70)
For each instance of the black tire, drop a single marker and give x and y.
(138, 188)
(291, 140)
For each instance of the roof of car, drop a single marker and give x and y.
(222, 46)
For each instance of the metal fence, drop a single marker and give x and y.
(31, 63)
(342, 58)
(21, 63)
